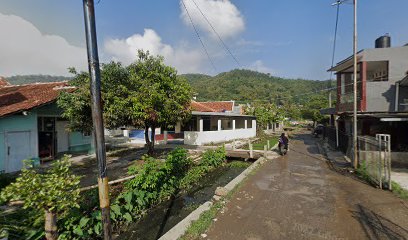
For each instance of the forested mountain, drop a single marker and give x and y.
(24, 79)
(240, 85)
(247, 86)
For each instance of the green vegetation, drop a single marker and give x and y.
(6, 179)
(265, 114)
(25, 79)
(79, 216)
(260, 143)
(203, 223)
(362, 172)
(399, 191)
(54, 192)
(146, 94)
(245, 86)
(213, 157)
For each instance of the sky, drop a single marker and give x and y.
(286, 38)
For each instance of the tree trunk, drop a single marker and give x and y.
(147, 138)
(152, 134)
(51, 225)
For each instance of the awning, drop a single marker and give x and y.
(328, 111)
(404, 82)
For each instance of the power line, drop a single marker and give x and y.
(198, 35)
(216, 33)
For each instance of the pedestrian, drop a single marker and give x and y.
(283, 142)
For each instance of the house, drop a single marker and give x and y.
(210, 122)
(214, 122)
(382, 94)
(31, 125)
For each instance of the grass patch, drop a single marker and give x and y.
(399, 191)
(203, 223)
(260, 143)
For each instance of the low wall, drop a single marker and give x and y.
(398, 159)
(200, 138)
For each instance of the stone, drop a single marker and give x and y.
(203, 235)
(216, 198)
(221, 191)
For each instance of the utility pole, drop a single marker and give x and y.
(99, 138)
(337, 4)
(355, 88)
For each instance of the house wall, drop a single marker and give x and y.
(18, 123)
(200, 138)
(381, 95)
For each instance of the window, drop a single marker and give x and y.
(377, 71)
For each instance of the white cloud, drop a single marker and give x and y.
(223, 15)
(25, 50)
(183, 58)
(260, 66)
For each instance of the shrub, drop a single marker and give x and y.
(54, 192)
(214, 157)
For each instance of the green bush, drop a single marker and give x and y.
(214, 157)
(155, 181)
(54, 192)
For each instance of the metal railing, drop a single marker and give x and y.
(375, 158)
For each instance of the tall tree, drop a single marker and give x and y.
(265, 114)
(160, 97)
(147, 94)
(311, 110)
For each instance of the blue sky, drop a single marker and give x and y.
(285, 38)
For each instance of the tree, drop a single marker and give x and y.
(311, 110)
(54, 192)
(160, 97)
(146, 94)
(265, 114)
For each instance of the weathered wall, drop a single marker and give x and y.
(381, 95)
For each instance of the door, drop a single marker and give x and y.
(17, 149)
(62, 136)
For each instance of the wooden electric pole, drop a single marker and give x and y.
(99, 138)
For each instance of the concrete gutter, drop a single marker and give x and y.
(179, 230)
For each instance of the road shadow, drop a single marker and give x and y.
(378, 227)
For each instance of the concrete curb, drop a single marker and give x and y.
(179, 230)
(234, 182)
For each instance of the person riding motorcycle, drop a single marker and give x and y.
(283, 142)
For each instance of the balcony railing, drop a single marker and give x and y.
(349, 97)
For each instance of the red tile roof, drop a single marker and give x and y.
(3, 82)
(212, 106)
(17, 98)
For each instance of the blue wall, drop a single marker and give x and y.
(18, 123)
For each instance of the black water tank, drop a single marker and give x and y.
(383, 41)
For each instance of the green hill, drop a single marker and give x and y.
(240, 85)
(25, 79)
(247, 86)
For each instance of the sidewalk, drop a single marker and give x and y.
(338, 159)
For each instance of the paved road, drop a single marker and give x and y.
(299, 197)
